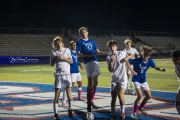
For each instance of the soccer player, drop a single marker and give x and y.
(61, 58)
(75, 74)
(116, 62)
(141, 65)
(176, 61)
(87, 49)
(129, 50)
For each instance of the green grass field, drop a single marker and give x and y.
(163, 81)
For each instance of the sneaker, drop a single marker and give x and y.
(122, 117)
(133, 115)
(133, 92)
(142, 110)
(113, 117)
(56, 116)
(81, 99)
(70, 115)
(93, 105)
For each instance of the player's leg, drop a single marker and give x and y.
(128, 82)
(113, 104)
(147, 92)
(57, 87)
(177, 103)
(79, 88)
(138, 99)
(68, 84)
(89, 94)
(122, 101)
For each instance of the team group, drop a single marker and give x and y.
(120, 63)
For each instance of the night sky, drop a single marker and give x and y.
(137, 15)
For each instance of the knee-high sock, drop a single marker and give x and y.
(70, 104)
(122, 109)
(55, 106)
(178, 109)
(93, 91)
(113, 110)
(135, 108)
(142, 104)
(80, 92)
(64, 97)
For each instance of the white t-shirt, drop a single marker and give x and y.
(131, 51)
(61, 67)
(119, 70)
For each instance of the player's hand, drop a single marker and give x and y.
(113, 58)
(133, 73)
(82, 67)
(61, 56)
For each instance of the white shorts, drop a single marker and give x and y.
(178, 94)
(62, 81)
(92, 68)
(116, 85)
(128, 71)
(143, 86)
(75, 77)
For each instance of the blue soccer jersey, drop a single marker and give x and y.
(87, 47)
(141, 67)
(74, 65)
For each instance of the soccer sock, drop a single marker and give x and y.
(122, 109)
(135, 108)
(142, 104)
(64, 97)
(113, 109)
(55, 108)
(70, 104)
(93, 91)
(88, 95)
(79, 92)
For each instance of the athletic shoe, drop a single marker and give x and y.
(81, 99)
(93, 105)
(56, 116)
(122, 117)
(133, 92)
(70, 115)
(133, 115)
(142, 110)
(113, 117)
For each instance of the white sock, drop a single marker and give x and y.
(64, 97)
(123, 108)
(70, 104)
(55, 108)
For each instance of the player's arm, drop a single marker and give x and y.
(53, 61)
(159, 69)
(81, 66)
(128, 57)
(100, 52)
(130, 68)
(111, 64)
(84, 55)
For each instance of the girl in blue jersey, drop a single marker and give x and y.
(141, 65)
(176, 61)
(87, 49)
